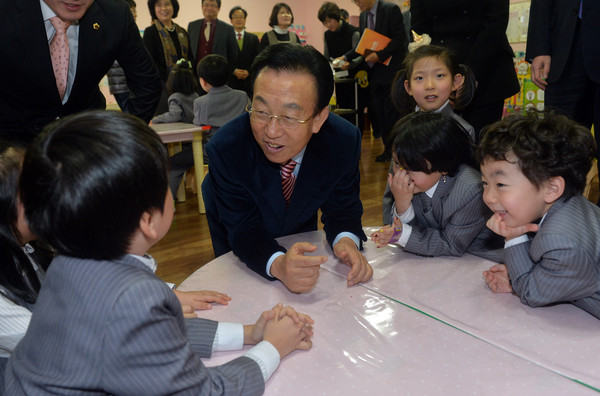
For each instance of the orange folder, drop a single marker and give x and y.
(371, 41)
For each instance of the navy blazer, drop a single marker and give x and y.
(29, 98)
(243, 190)
(551, 31)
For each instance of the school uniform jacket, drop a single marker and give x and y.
(113, 327)
(561, 263)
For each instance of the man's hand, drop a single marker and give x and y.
(241, 74)
(298, 272)
(497, 279)
(540, 68)
(372, 57)
(496, 223)
(347, 251)
(201, 299)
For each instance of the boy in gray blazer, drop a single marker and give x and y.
(534, 170)
(95, 187)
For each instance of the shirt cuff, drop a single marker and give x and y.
(229, 337)
(266, 356)
(406, 231)
(516, 241)
(348, 235)
(270, 262)
(405, 217)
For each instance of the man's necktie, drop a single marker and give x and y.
(59, 54)
(580, 9)
(207, 31)
(239, 40)
(370, 25)
(287, 180)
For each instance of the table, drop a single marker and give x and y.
(183, 132)
(420, 326)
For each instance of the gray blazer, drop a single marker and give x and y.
(224, 44)
(562, 261)
(456, 222)
(113, 327)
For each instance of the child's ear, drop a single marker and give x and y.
(148, 226)
(457, 81)
(407, 87)
(555, 187)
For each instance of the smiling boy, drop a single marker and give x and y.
(534, 170)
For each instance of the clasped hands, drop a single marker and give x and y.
(299, 272)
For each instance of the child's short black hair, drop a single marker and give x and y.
(181, 78)
(87, 180)
(434, 138)
(545, 145)
(214, 69)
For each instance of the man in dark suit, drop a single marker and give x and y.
(99, 32)
(247, 51)
(272, 170)
(210, 35)
(384, 18)
(563, 46)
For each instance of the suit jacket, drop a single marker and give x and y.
(456, 222)
(113, 327)
(29, 98)
(243, 61)
(243, 190)
(224, 43)
(219, 106)
(388, 21)
(552, 26)
(476, 31)
(562, 261)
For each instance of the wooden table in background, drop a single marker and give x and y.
(182, 132)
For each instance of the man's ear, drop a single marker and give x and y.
(555, 187)
(148, 226)
(319, 119)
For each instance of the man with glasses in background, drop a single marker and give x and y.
(272, 169)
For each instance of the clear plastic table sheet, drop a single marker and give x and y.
(375, 338)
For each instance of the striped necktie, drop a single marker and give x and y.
(287, 180)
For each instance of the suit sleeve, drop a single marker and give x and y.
(564, 272)
(141, 73)
(538, 32)
(342, 211)
(247, 235)
(394, 29)
(146, 351)
(453, 239)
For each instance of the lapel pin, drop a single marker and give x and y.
(96, 26)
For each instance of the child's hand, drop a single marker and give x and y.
(188, 311)
(285, 334)
(387, 234)
(253, 334)
(496, 223)
(402, 188)
(497, 279)
(201, 299)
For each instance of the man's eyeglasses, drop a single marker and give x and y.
(265, 117)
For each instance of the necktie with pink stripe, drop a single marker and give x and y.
(59, 53)
(287, 180)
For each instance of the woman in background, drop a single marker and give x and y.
(281, 19)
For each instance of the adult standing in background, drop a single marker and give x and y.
(384, 18)
(563, 46)
(247, 51)
(280, 20)
(88, 38)
(211, 35)
(166, 41)
(476, 32)
(339, 38)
